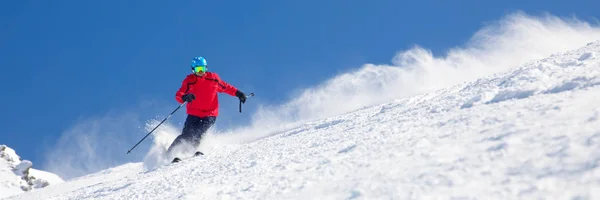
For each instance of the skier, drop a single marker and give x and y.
(199, 90)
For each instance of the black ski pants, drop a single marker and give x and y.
(192, 132)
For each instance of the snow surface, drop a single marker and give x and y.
(13, 170)
(530, 133)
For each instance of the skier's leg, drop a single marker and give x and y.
(203, 125)
(187, 134)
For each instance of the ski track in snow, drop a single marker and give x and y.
(529, 133)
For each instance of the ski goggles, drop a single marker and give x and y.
(198, 69)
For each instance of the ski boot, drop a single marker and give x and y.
(176, 160)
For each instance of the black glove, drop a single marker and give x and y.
(188, 97)
(241, 96)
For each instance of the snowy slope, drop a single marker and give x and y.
(17, 176)
(532, 132)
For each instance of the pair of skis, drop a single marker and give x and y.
(176, 159)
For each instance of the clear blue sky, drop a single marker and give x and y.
(62, 61)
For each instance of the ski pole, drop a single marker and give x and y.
(180, 105)
(247, 96)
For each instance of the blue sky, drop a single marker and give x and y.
(66, 62)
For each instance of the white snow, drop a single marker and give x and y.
(17, 176)
(9, 182)
(47, 176)
(530, 133)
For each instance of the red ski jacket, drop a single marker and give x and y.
(205, 89)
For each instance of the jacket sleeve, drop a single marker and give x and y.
(182, 90)
(224, 87)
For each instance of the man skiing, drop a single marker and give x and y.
(199, 90)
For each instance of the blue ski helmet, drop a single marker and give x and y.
(198, 61)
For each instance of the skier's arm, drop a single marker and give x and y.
(182, 90)
(225, 87)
